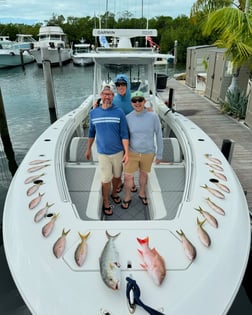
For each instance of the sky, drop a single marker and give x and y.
(38, 11)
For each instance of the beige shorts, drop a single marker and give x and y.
(142, 161)
(111, 166)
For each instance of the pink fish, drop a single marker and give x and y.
(36, 162)
(219, 175)
(47, 229)
(30, 191)
(152, 261)
(33, 178)
(36, 201)
(81, 250)
(215, 207)
(60, 244)
(213, 159)
(216, 167)
(36, 168)
(210, 218)
(189, 249)
(42, 212)
(214, 192)
(222, 187)
(203, 236)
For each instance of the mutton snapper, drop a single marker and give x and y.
(152, 261)
(110, 268)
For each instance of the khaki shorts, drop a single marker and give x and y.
(142, 161)
(111, 166)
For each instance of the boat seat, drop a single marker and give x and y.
(171, 152)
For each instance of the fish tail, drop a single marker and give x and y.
(111, 236)
(84, 236)
(180, 233)
(65, 233)
(144, 241)
(49, 205)
(200, 223)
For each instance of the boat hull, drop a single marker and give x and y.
(14, 59)
(55, 56)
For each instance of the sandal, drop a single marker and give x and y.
(133, 189)
(116, 199)
(126, 204)
(144, 200)
(107, 211)
(119, 188)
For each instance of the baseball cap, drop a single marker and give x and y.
(137, 94)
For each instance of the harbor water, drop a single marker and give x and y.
(26, 107)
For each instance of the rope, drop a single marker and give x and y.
(132, 285)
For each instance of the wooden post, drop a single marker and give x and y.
(22, 59)
(60, 59)
(6, 138)
(49, 85)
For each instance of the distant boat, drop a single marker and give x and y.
(24, 41)
(12, 55)
(79, 55)
(52, 45)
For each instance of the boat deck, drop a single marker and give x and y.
(218, 126)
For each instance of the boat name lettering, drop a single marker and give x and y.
(105, 32)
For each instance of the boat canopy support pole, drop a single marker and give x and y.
(49, 85)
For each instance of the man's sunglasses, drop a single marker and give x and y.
(121, 84)
(139, 99)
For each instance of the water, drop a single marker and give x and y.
(26, 107)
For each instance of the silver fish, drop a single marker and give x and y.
(42, 212)
(36, 168)
(110, 268)
(33, 178)
(222, 187)
(213, 159)
(36, 201)
(30, 191)
(214, 192)
(36, 162)
(215, 207)
(216, 167)
(81, 250)
(48, 227)
(210, 218)
(203, 236)
(219, 175)
(189, 249)
(60, 244)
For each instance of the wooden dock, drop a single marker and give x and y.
(218, 126)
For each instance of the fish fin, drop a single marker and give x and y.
(112, 236)
(140, 252)
(144, 266)
(143, 241)
(84, 236)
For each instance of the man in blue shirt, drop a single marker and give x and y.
(109, 126)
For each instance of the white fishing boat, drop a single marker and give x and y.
(202, 276)
(79, 55)
(13, 55)
(51, 46)
(24, 41)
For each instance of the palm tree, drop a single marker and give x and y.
(233, 26)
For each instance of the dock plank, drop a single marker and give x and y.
(218, 126)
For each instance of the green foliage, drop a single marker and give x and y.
(236, 103)
(169, 30)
